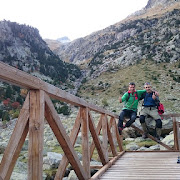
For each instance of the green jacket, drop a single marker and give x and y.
(133, 100)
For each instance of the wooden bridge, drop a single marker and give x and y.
(116, 163)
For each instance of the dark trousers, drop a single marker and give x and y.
(158, 121)
(129, 114)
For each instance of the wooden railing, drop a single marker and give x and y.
(176, 130)
(37, 106)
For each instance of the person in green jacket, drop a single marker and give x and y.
(130, 99)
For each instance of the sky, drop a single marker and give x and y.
(71, 18)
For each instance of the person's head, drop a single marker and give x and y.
(147, 86)
(131, 87)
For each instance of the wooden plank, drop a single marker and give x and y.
(16, 142)
(73, 136)
(97, 141)
(144, 165)
(105, 167)
(36, 135)
(119, 138)
(175, 130)
(85, 140)
(111, 142)
(57, 127)
(113, 127)
(105, 137)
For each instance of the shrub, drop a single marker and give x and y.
(105, 103)
(15, 114)
(6, 102)
(15, 105)
(63, 110)
(5, 116)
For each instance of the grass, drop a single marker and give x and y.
(145, 71)
(145, 143)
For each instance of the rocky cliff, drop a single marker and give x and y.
(22, 46)
(151, 33)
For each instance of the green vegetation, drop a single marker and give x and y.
(163, 77)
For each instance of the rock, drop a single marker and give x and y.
(132, 146)
(155, 147)
(3, 146)
(52, 160)
(19, 176)
(168, 140)
(72, 176)
(143, 149)
(129, 133)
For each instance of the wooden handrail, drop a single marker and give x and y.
(176, 126)
(31, 119)
(22, 79)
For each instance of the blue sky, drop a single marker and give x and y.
(72, 18)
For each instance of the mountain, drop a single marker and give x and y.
(144, 47)
(64, 40)
(151, 33)
(22, 47)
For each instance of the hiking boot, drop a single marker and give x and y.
(158, 138)
(158, 134)
(144, 127)
(145, 135)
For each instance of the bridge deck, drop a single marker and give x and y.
(145, 165)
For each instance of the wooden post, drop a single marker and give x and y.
(85, 140)
(176, 134)
(105, 137)
(114, 131)
(119, 139)
(36, 129)
(111, 142)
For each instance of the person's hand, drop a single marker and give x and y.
(156, 93)
(120, 99)
(154, 96)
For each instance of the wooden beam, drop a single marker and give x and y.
(85, 140)
(113, 126)
(36, 135)
(73, 136)
(20, 78)
(119, 138)
(16, 142)
(105, 137)
(54, 121)
(151, 137)
(111, 142)
(176, 146)
(98, 130)
(97, 141)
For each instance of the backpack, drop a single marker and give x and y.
(136, 95)
(160, 108)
